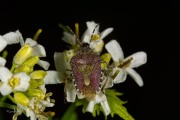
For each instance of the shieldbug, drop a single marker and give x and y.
(86, 70)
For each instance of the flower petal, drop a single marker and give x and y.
(5, 74)
(100, 97)
(114, 48)
(106, 32)
(24, 81)
(69, 38)
(91, 25)
(5, 89)
(139, 59)
(53, 77)
(70, 91)
(97, 46)
(105, 107)
(12, 37)
(2, 61)
(3, 43)
(90, 106)
(59, 62)
(31, 114)
(86, 37)
(31, 42)
(47, 104)
(109, 82)
(121, 76)
(39, 50)
(44, 64)
(135, 76)
(43, 88)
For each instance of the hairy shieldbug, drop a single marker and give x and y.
(86, 67)
(86, 70)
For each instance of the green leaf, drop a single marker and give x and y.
(83, 103)
(116, 105)
(70, 114)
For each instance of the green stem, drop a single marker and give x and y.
(13, 67)
(3, 98)
(6, 105)
(11, 98)
(70, 114)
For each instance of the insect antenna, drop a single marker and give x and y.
(70, 30)
(93, 32)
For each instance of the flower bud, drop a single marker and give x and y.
(23, 68)
(24, 53)
(21, 98)
(68, 54)
(38, 74)
(31, 61)
(35, 83)
(106, 57)
(35, 93)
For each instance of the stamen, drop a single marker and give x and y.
(13, 82)
(1, 83)
(95, 37)
(125, 63)
(4, 54)
(37, 34)
(77, 30)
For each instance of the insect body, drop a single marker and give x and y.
(86, 67)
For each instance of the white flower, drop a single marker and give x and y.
(62, 64)
(69, 38)
(29, 113)
(99, 98)
(53, 77)
(37, 50)
(71, 92)
(94, 37)
(9, 38)
(34, 109)
(10, 82)
(125, 66)
(2, 61)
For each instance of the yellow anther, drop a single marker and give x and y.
(95, 37)
(13, 82)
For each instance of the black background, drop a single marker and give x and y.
(138, 26)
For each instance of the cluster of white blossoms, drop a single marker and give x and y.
(81, 81)
(85, 69)
(22, 83)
